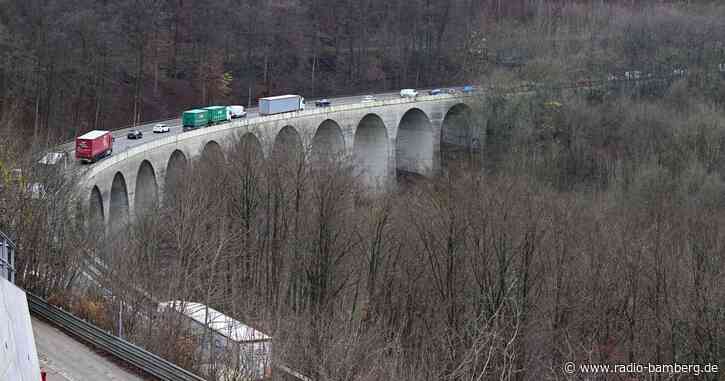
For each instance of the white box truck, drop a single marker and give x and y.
(280, 104)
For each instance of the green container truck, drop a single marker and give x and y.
(218, 114)
(195, 118)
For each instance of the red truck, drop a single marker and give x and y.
(94, 145)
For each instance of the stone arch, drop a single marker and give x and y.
(248, 175)
(118, 212)
(95, 208)
(209, 172)
(370, 149)
(248, 157)
(328, 143)
(288, 147)
(213, 153)
(176, 169)
(251, 148)
(146, 194)
(457, 143)
(414, 143)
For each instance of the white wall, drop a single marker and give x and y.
(18, 357)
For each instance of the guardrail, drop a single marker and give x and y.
(121, 349)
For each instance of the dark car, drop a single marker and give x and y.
(468, 89)
(584, 82)
(434, 92)
(135, 134)
(322, 103)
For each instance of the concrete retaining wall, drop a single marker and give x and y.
(18, 356)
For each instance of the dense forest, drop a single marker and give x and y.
(72, 66)
(588, 228)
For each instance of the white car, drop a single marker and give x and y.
(237, 111)
(408, 93)
(369, 98)
(160, 128)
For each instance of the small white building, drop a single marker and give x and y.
(237, 349)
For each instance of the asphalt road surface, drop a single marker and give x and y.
(65, 359)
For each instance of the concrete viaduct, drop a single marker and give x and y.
(381, 137)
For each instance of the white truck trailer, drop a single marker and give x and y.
(280, 104)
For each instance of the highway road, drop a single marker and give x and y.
(65, 359)
(122, 143)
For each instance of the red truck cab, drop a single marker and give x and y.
(94, 145)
